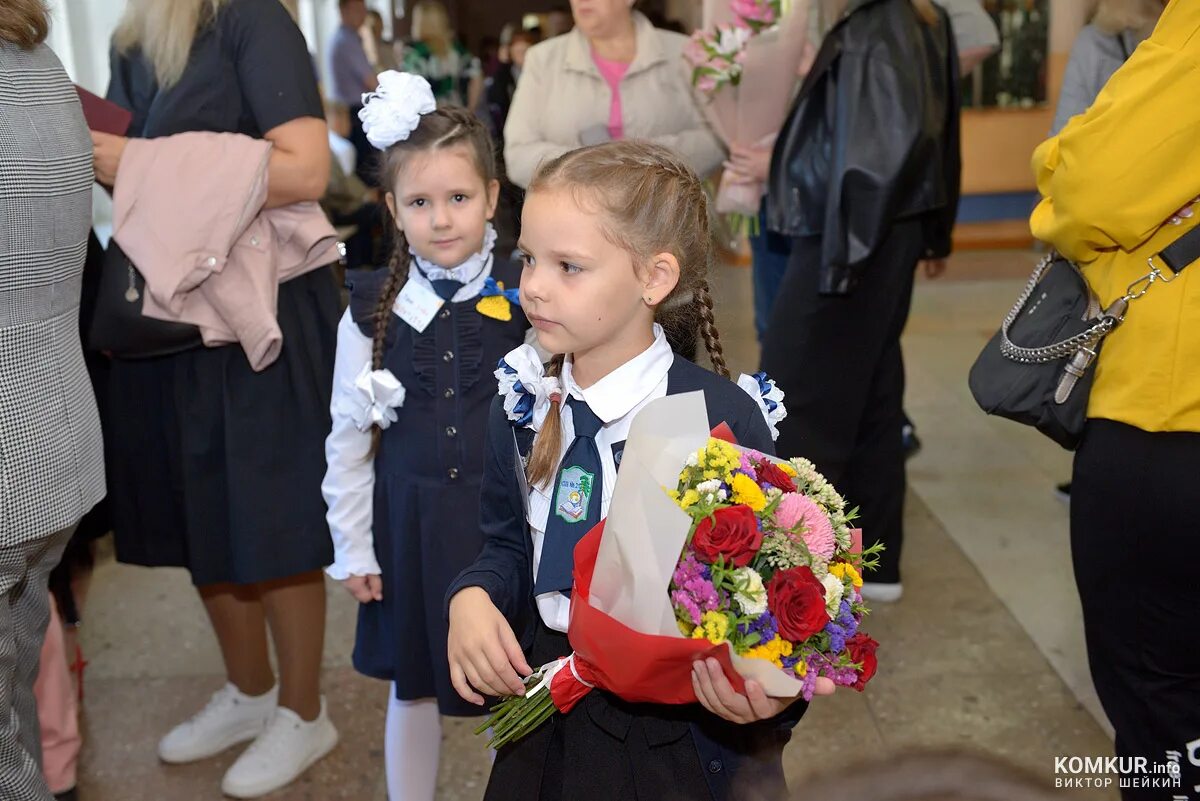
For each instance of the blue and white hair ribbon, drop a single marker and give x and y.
(527, 390)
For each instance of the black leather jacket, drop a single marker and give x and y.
(872, 138)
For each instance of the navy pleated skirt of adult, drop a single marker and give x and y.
(218, 468)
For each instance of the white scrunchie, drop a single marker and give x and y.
(393, 111)
(768, 396)
(526, 388)
(379, 395)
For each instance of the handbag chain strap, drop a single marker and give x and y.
(1059, 350)
(1108, 320)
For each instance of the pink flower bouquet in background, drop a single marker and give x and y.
(747, 92)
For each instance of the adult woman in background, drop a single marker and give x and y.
(614, 76)
(865, 177)
(455, 75)
(217, 467)
(51, 465)
(1118, 185)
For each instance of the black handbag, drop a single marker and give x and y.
(1038, 368)
(118, 326)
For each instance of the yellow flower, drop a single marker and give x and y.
(713, 627)
(787, 468)
(710, 474)
(772, 651)
(801, 668)
(844, 569)
(686, 629)
(746, 491)
(689, 499)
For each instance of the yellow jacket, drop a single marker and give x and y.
(1109, 182)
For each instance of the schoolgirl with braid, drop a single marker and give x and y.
(616, 251)
(412, 387)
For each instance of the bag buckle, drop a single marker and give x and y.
(1142, 285)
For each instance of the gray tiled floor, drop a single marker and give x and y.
(984, 651)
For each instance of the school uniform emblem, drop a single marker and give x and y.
(574, 495)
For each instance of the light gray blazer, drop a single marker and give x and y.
(51, 460)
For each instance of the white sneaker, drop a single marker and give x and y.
(231, 717)
(285, 750)
(883, 593)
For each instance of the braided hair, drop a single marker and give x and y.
(651, 202)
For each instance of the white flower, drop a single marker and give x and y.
(708, 487)
(732, 38)
(693, 460)
(392, 112)
(834, 588)
(768, 396)
(521, 379)
(751, 595)
(379, 394)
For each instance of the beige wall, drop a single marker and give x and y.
(998, 143)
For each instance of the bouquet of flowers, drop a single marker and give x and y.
(717, 56)
(745, 60)
(708, 550)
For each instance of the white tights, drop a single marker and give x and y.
(412, 748)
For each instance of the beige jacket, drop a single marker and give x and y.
(188, 212)
(561, 93)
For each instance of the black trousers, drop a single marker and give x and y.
(1135, 544)
(838, 360)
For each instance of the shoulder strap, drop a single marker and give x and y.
(1183, 251)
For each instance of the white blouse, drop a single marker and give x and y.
(615, 399)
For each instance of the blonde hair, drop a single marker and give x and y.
(649, 201)
(25, 23)
(164, 30)
(1116, 16)
(431, 25)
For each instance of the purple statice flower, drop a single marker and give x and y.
(790, 662)
(765, 625)
(694, 591)
(747, 466)
(842, 628)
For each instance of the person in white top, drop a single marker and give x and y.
(412, 387)
(616, 248)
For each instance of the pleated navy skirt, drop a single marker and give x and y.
(217, 468)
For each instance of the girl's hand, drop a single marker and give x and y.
(364, 588)
(483, 651)
(933, 268)
(717, 695)
(106, 156)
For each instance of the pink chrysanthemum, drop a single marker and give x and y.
(795, 509)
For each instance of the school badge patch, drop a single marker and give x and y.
(574, 495)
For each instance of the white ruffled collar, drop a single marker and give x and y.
(474, 272)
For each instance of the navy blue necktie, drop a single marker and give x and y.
(446, 288)
(576, 501)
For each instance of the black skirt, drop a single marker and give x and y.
(606, 748)
(217, 468)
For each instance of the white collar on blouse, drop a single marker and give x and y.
(619, 392)
(474, 272)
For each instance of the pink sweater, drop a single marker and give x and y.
(188, 211)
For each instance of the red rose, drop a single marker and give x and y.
(773, 475)
(862, 649)
(797, 600)
(731, 532)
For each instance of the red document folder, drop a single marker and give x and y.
(103, 115)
